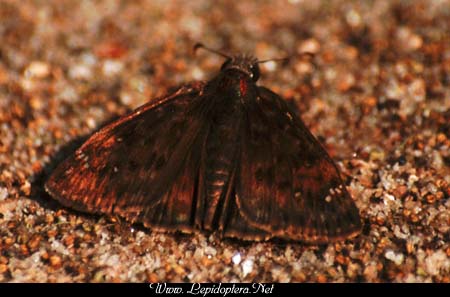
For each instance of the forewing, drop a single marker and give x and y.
(288, 185)
(144, 166)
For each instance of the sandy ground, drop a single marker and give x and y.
(378, 97)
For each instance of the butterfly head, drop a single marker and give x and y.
(246, 65)
(242, 66)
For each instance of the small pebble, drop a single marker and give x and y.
(3, 193)
(37, 69)
(112, 67)
(236, 258)
(397, 258)
(247, 267)
(55, 261)
(80, 71)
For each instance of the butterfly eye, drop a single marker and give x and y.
(225, 64)
(255, 71)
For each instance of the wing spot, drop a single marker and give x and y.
(79, 155)
(284, 184)
(132, 165)
(160, 162)
(259, 174)
(176, 130)
(149, 162)
(328, 199)
(145, 141)
(298, 195)
(289, 116)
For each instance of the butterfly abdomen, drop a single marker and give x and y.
(220, 159)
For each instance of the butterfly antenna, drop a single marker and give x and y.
(287, 59)
(202, 46)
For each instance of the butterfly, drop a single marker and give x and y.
(224, 155)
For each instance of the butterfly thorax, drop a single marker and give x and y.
(237, 79)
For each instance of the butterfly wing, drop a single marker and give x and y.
(143, 166)
(288, 186)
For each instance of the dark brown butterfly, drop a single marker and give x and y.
(222, 155)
